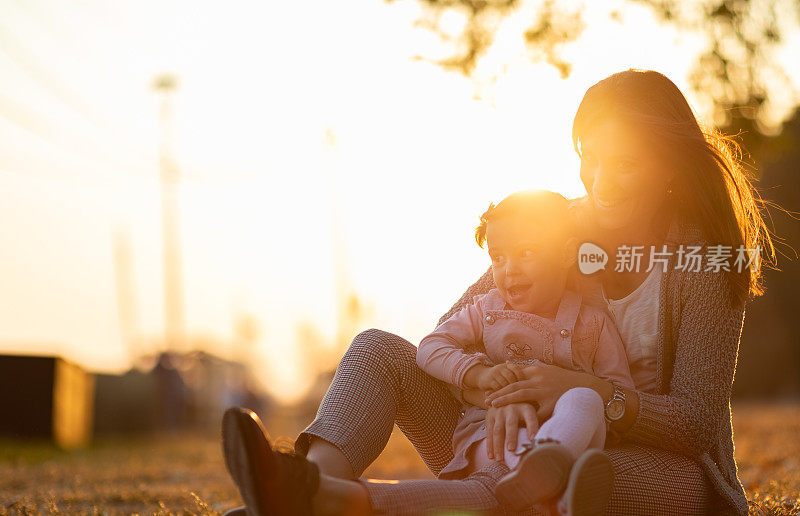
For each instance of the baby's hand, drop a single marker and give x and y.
(497, 377)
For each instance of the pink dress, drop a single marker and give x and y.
(581, 337)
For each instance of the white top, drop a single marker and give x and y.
(636, 317)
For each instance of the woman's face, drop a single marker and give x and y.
(625, 181)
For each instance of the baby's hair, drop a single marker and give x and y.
(541, 209)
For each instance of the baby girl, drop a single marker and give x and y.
(529, 316)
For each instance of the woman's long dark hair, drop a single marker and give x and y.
(712, 188)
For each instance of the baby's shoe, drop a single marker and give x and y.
(271, 482)
(541, 474)
(589, 487)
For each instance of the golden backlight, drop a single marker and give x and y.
(320, 162)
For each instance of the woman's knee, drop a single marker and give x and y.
(653, 480)
(381, 346)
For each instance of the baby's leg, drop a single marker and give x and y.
(512, 456)
(479, 457)
(578, 421)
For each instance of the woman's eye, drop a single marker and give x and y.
(626, 166)
(528, 253)
(588, 160)
(496, 258)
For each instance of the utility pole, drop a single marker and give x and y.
(174, 330)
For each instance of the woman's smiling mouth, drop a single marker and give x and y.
(608, 203)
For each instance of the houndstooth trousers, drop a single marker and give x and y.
(378, 384)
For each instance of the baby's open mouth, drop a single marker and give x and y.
(517, 290)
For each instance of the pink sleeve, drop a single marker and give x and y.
(610, 361)
(441, 353)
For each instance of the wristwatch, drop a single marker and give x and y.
(615, 408)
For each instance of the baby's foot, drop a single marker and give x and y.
(589, 487)
(541, 474)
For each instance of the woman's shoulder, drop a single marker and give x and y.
(685, 237)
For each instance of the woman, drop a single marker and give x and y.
(653, 178)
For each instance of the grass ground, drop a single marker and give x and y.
(185, 474)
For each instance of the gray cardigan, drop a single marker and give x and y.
(698, 342)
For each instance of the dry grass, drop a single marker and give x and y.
(185, 474)
(768, 454)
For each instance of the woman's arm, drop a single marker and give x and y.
(686, 418)
(484, 284)
(546, 383)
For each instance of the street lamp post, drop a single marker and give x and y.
(166, 85)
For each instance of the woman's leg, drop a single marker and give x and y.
(646, 481)
(474, 494)
(337, 496)
(655, 481)
(378, 384)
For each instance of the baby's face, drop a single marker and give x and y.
(529, 270)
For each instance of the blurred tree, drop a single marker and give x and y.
(769, 356)
(555, 25)
(737, 73)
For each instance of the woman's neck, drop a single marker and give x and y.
(651, 233)
(619, 283)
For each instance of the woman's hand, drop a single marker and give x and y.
(543, 385)
(502, 427)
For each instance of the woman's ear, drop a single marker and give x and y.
(668, 175)
(570, 255)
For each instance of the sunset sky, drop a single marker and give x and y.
(416, 155)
